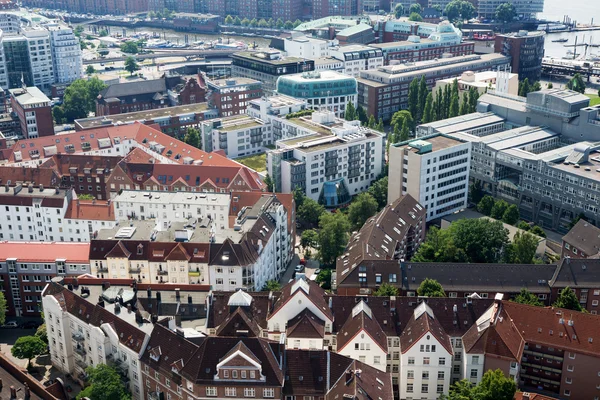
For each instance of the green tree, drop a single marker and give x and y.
(131, 65)
(430, 288)
(398, 10)
(310, 211)
(379, 190)
(386, 290)
(482, 240)
(575, 220)
(473, 96)
(567, 299)
(467, 10)
(90, 70)
(536, 86)
(526, 297)
(465, 107)
(42, 333)
(350, 114)
(288, 24)
(105, 384)
(245, 22)
(536, 230)
(363, 207)
(551, 86)
(297, 23)
(279, 23)
(423, 92)
(361, 114)
(394, 136)
(130, 47)
(399, 117)
(237, 21)
(446, 102)
(413, 98)
(78, 30)
(439, 247)
(269, 183)
(324, 278)
(228, 20)
(524, 87)
(263, 23)
(428, 109)
(85, 196)
(511, 215)
(476, 192)
(499, 209)
(271, 286)
(505, 12)
(78, 100)
(3, 308)
(192, 137)
(485, 205)
(576, 83)
(371, 124)
(454, 107)
(28, 347)
(379, 127)
(459, 10)
(495, 386)
(299, 197)
(523, 226)
(333, 236)
(405, 132)
(253, 22)
(415, 8)
(522, 249)
(415, 17)
(309, 238)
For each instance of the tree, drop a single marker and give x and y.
(309, 238)
(567, 299)
(363, 207)
(361, 114)
(473, 96)
(279, 23)
(90, 70)
(415, 8)
(523, 226)
(333, 236)
(399, 117)
(324, 278)
(78, 100)
(482, 240)
(394, 136)
(522, 249)
(297, 23)
(526, 297)
(378, 190)
(131, 65)
(105, 384)
(350, 114)
(130, 47)
(253, 22)
(446, 102)
(237, 21)
(404, 133)
(428, 109)
(385, 290)
(498, 209)
(42, 333)
(298, 197)
(495, 386)
(536, 86)
(228, 20)
(380, 127)
(524, 87)
(454, 107)
(536, 230)
(464, 105)
(245, 22)
(575, 220)
(3, 308)
(511, 215)
(28, 347)
(288, 24)
(485, 205)
(263, 23)
(310, 211)
(459, 10)
(476, 192)
(415, 17)
(505, 12)
(430, 288)
(85, 196)
(550, 86)
(576, 84)
(192, 137)
(271, 286)
(423, 92)
(398, 10)
(269, 183)
(413, 98)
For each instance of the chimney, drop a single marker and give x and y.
(100, 301)
(13, 393)
(27, 392)
(149, 292)
(75, 283)
(158, 297)
(128, 308)
(189, 299)
(70, 287)
(41, 187)
(177, 294)
(154, 318)
(56, 190)
(117, 308)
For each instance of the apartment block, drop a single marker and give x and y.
(523, 9)
(302, 46)
(434, 170)
(66, 53)
(331, 160)
(232, 96)
(34, 112)
(526, 50)
(357, 57)
(237, 136)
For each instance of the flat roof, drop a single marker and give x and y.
(589, 169)
(30, 95)
(255, 56)
(315, 76)
(231, 82)
(470, 124)
(437, 141)
(159, 197)
(518, 137)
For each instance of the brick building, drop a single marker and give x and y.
(231, 96)
(582, 241)
(34, 111)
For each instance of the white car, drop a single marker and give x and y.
(11, 325)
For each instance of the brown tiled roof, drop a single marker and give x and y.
(38, 176)
(418, 327)
(369, 384)
(62, 163)
(138, 156)
(173, 348)
(93, 314)
(585, 237)
(306, 325)
(242, 348)
(315, 294)
(361, 322)
(306, 371)
(102, 249)
(577, 273)
(542, 325)
(239, 200)
(532, 396)
(229, 253)
(220, 311)
(238, 320)
(95, 210)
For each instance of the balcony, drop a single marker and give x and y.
(163, 272)
(78, 337)
(102, 269)
(81, 364)
(80, 350)
(135, 270)
(194, 273)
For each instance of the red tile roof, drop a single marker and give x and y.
(38, 252)
(95, 210)
(532, 396)
(418, 327)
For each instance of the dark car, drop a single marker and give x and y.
(31, 325)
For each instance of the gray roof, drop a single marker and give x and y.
(459, 277)
(133, 88)
(577, 273)
(585, 236)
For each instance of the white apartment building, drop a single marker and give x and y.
(40, 56)
(307, 47)
(426, 358)
(499, 81)
(328, 158)
(434, 170)
(83, 334)
(238, 135)
(66, 53)
(357, 57)
(3, 70)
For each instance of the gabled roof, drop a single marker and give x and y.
(365, 383)
(585, 237)
(236, 322)
(221, 311)
(178, 253)
(315, 294)
(577, 273)
(243, 349)
(362, 321)
(174, 348)
(423, 322)
(229, 253)
(118, 251)
(134, 88)
(38, 176)
(306, 325)
(77, 164)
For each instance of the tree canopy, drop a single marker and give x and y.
(506, 12)
(28, 347)
(130, 47)
(576, 83)
(493, 386)
(192, 137)
(386, 289)
(459, 10)
(131, 65)
(398, 10)
(271, 286)
(522, 249)
(430, 288)
(333, 236)
(310, 211)
(526, 297)
(105, 384)
(379, 190)
(309, 238)
(3, 307)
(363, 207)
(511, 215)
(415, 8)
(79, 100)
(567, 299)
(416, 17)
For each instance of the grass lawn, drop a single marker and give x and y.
(257, 162)
(594, 99)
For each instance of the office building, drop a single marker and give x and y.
(384, 91)
(395, 30)
(499, 81)
(526, 50)
(231, 96)
(26, 267)
(331, 160)
(346, 29)
(476, 124)
(237, 136)
(523, 9)
(34, 111)
(356, 58)
(103, 7)
(267, 66)
(326, 91)
(434, 170)
(307, 47)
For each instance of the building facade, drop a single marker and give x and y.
(356, 58)
(526, 50)
(34, 111)
(231, 96)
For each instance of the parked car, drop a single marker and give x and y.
(30, 325)
(299, 268)
(10, 325)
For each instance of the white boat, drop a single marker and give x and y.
(231, 46)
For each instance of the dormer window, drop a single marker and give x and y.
(225, 373)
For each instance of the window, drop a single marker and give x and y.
(269, 393)
(157, 376)
(225, 373)
(243, 374)
(440, 389)
(252, 374)
(567, 392)
(475, 360)
(570, 368)
(473, 373)
(568, 380)
(409, 388)
(249, 392)
(410, 374)
(425, 375)
(234, 374)
(440, 375)
(424, 388)
(411, 361)
(442, 361)
(426, 360)
(229, 392)
(211, 391)
(376, 360)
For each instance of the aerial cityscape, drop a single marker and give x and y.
(299, 200)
